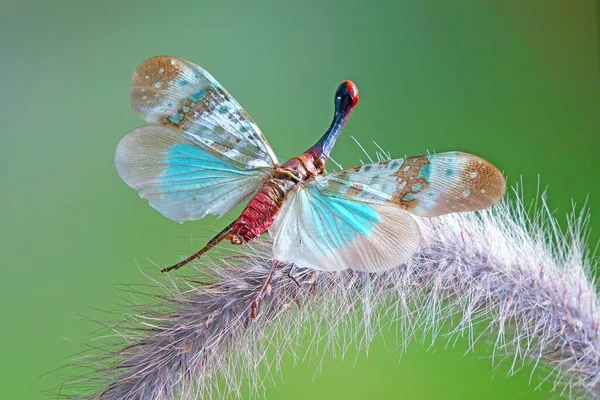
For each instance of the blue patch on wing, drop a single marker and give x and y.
(190, 169)
(176, 118)
(199, 95)
(341, 219)
(425, 172)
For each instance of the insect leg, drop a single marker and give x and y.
(263, 289)
(290, 275)
(224, 234)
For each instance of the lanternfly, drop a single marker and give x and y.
(204, 155)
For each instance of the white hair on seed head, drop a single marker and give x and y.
(518, 273)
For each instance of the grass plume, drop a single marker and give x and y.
(501, 275)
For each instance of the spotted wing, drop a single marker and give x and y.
(426, 186)
(330, 233)
(179, 178)
(181, 95)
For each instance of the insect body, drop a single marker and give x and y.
(205, 155)
(259, 214)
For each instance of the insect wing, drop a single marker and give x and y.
(426, 186)
(178, 94)
(179, 178)
(332, 234)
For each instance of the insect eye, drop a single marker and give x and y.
(320, 163)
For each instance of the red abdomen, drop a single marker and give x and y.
(260, 212)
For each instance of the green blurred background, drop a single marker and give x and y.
(513, 81)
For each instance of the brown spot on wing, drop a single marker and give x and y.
(150, 79)
(354, 190)
(408, 180)
(483, 184)
(159, 69)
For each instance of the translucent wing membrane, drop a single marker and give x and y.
(181, 95)
(328, 233)
(427, 186)
(180, 179)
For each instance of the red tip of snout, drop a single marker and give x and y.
(353, 90)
